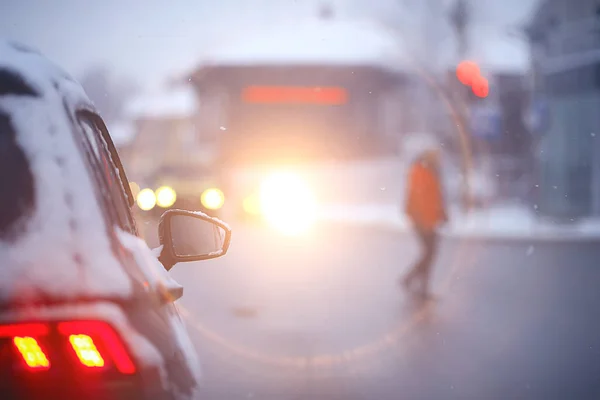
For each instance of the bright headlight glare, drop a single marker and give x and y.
(146, 199)
(165, 197)
(287, 203)
(251, 205)
(212, 198)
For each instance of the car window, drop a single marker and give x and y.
(108, 172)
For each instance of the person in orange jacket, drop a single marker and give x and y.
(426, 208)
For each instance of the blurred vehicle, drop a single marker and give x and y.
(171, 167)
(290, 111)
(180, 188)
(86, 308)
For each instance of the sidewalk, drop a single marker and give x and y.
(506, 222)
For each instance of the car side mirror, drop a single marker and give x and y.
(191, 236)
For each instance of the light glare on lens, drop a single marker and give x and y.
(146, 199)
(165, 196)
(288, 203)
(213, 199)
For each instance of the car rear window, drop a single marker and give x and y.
(16, 180)
(12, 83)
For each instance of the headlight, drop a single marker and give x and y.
(165, 197)
(287, 203)
(213, 199)
(146, 199)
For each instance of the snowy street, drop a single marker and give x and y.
(323, 318)
(502, 222)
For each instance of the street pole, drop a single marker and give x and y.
(419, 60)
(460, 18)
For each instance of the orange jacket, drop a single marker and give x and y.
(425, 202)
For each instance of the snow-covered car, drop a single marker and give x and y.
(87, 310)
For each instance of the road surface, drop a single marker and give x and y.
(322, 318)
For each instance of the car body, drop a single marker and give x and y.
(86, 308)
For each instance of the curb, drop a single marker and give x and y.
(496, 237)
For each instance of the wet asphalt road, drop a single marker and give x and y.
(322, 317)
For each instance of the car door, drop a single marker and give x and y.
(155, 316)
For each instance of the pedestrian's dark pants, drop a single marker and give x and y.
(422, 268)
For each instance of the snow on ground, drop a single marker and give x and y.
(508, 221)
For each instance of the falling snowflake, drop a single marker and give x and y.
(530, 250)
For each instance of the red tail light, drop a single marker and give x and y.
(24, 329)
(82, 335)
(26, 345)
(86, 351)
(93, 345)
(32, 353)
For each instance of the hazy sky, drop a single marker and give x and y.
(152, 39)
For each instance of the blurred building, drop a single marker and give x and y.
(496, 125)
(166, 149)
(565, 52)
(322, 43)
(123, 134)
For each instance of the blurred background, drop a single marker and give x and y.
(166, 79)
(296, 122)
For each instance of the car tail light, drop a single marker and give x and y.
(32, 353)
(88, 345)
(22, 341)
(86, 351)
(82, 337)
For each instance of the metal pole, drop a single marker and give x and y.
(459, 19)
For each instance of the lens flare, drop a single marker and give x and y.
(287, 203)
(252, 205)
(146, 199)
(165, 197)
(213, 199)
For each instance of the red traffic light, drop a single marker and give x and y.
(480, 87)
(467, 72)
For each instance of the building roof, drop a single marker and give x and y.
(313, 42)
(174, 102)
(122, 133)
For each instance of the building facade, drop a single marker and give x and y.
(565, 52)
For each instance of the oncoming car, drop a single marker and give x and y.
(86, 308)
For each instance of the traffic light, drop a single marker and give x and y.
(467, 71)
(469, 74)
(480, 87)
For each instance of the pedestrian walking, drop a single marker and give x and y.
(426, 208)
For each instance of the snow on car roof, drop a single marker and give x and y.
(336, 42)
(60, 247)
